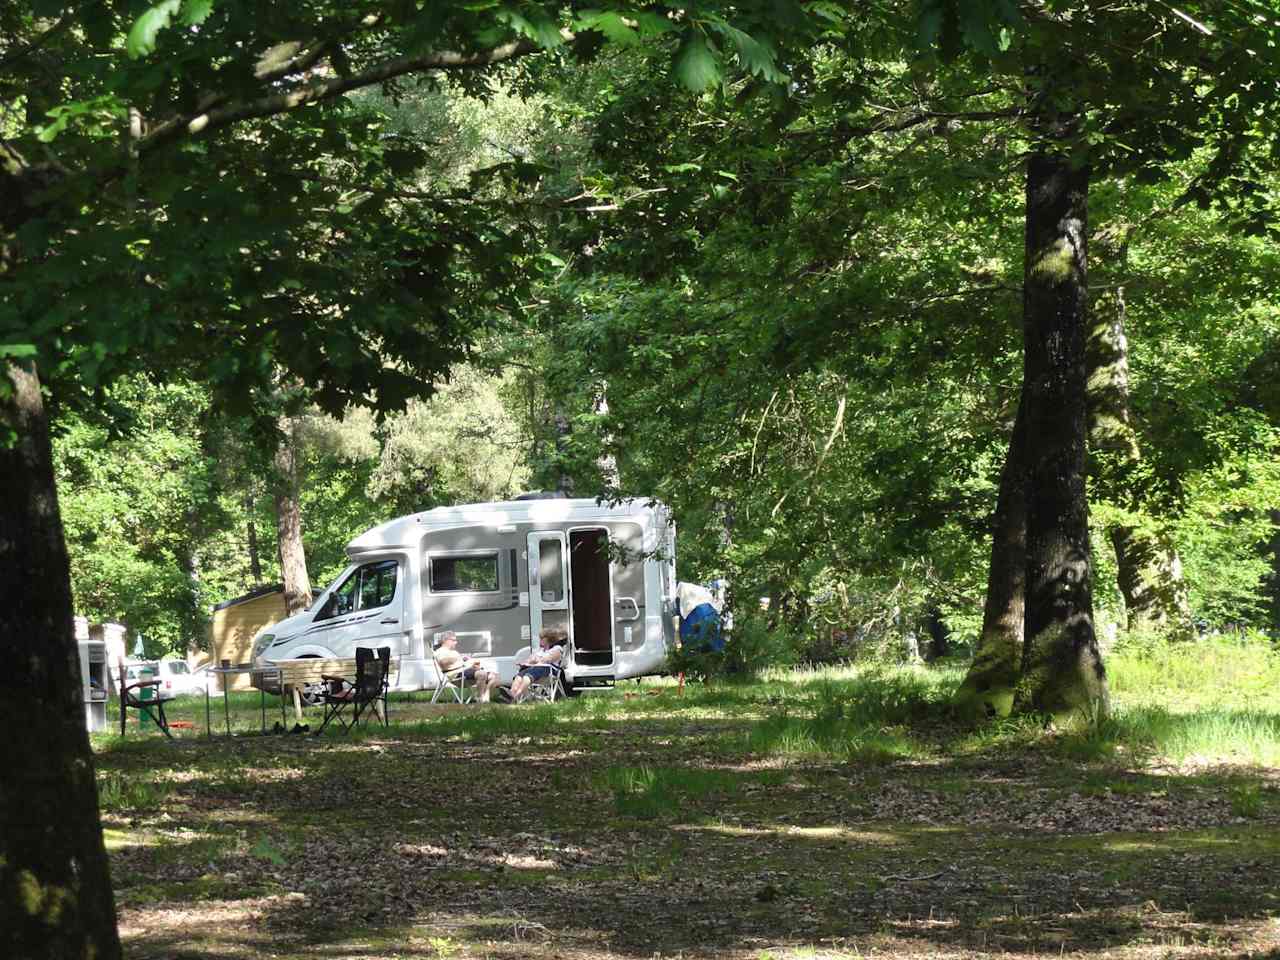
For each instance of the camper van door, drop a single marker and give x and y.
(548, 581)
(364, 610)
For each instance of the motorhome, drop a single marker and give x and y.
(496, 574)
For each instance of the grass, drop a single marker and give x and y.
(121, 792)
(649, 792)
(824, 813)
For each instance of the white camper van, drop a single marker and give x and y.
(495, 574)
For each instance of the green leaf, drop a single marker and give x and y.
(611, 25)
(695, 62)
(538, 27)
(142, 38)
(17, 350)
(653, 24)
(195, 12)
(755, 56)
(978, 21)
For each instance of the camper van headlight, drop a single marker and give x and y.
(263, 642)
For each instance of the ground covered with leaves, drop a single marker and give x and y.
(807, 816)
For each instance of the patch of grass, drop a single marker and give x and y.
(1221, 672)
(646, 793)
(264, 849)
(1215, 735)
(201, 849)
(121, 791)
(1246, 800)
(830, 737)
(207, 887)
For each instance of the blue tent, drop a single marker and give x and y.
(700, 620)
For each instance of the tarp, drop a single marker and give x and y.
(699, 618)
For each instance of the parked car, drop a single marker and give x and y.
(175, 676)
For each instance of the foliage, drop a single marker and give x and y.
(137, 510)
(749, 648)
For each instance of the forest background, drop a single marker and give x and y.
(852, 288)
(795, 321)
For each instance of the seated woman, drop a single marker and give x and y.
(551, 650)
(453, 662)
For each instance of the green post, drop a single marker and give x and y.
(146, 693)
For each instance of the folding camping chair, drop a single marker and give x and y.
(364, 693)
(548, 689)
(453, 683)
(131, 699)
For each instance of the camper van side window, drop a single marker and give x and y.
(343, 599)
(378, 584)
(368, 587)
(471, 574)
(551, 571)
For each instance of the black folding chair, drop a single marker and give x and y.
(131, 699)
(359, 696)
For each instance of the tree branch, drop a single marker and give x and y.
(214, 119)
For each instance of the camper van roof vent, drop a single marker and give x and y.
(543, 495)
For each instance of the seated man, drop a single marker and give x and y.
(551, 650)
(453, 663)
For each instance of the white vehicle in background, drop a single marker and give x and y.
(175, 676)
(495, 574)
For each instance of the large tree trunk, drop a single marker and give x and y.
(988, 689)
(1062, 671)
(55, 891)
(293, 561)
(1148, 566)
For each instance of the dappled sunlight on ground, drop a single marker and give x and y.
(611, 830)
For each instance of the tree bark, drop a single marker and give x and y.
(564, 429)
(988, 688)
(1149, 569)
(255, 564)
(55, 889)
(293, 560)
(1062, 672)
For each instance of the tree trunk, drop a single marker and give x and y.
(55, 890)
(293, 561)
(563, 428)
(606, 462)
(1062, 671)
(988, 688)
(1149, 571)
(1148, 566)
(255, 563)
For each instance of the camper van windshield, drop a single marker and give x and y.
(471, 574)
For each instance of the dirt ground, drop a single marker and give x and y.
(663, 835)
